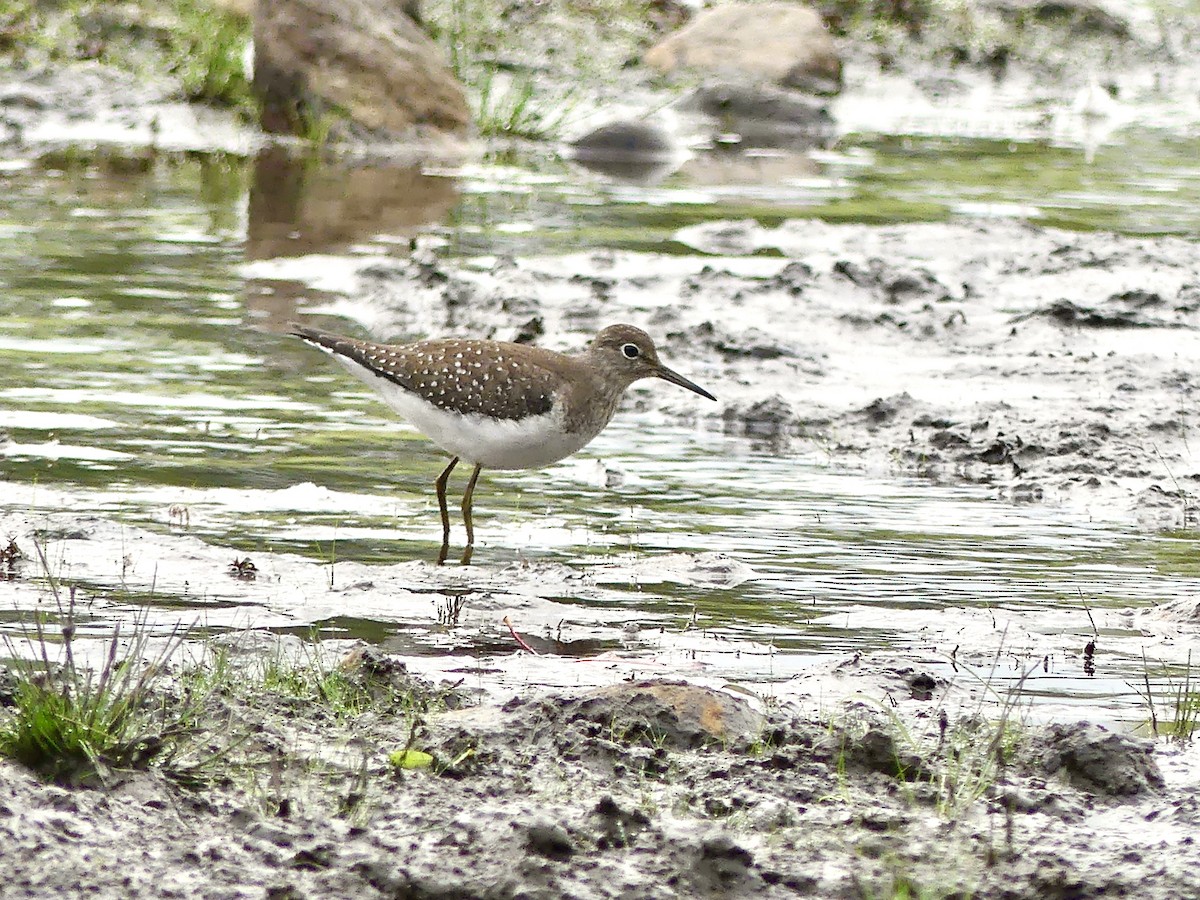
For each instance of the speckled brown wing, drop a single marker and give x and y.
(491, 378)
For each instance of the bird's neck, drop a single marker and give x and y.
(590, 399)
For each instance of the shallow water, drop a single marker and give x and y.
(140, 379)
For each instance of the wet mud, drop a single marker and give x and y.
(1049, 366)
(1054, 368)
(647, 789)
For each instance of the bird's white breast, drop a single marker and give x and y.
(525, 443)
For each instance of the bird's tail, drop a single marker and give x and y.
(324, 339)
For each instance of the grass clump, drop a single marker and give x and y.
(970, 758)
(75, 723)
(78, 724)
(80, 716)
(508, 56)
(200, 43)
(207, 52)
(311, 679)
(976, 755)
(1182, 704)
(514, 108)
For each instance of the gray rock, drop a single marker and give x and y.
(764, 116)
(1083, 17)
(628, 150)
(624, 140)
(768, 418)
(549, 839)
(723, 865)
(877, 751)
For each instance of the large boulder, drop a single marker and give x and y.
(781, 42)
(357, 69)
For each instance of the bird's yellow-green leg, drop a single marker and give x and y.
(441, 495)
(468, 497)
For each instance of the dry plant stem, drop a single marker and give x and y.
(39, 628)
(1087, 609)
(1186, 705)
(516, 637)
(1149, 694)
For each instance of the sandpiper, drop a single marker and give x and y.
(499, 404)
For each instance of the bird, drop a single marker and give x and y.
(498, 404)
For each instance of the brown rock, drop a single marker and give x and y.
(677, 714)
(361, 67)
(780, 42)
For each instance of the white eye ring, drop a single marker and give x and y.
(631, 351)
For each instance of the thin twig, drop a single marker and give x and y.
(1149, 694)
(1087, 609)
(516, 637)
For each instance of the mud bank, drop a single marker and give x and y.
(653, 789)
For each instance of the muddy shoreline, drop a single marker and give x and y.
(1047, 365)
(1051, 367)
(649, 789)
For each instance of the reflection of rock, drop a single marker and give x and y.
(764, 116)
(298, 208)
(781, 42)
(630, 151)
(360, 67)
(767, 168)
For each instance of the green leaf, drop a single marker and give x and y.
(410, 759)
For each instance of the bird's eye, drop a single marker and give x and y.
(631, 351)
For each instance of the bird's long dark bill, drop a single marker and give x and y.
(676, 378)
